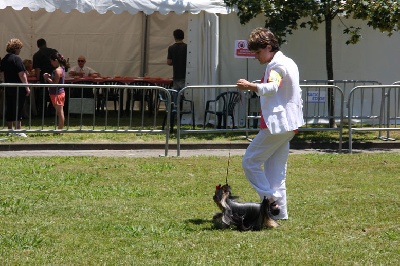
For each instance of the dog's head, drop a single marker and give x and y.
(221, 194)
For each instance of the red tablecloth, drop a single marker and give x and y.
(32, 80)
(160, 81)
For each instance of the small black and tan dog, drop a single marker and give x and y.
(244, 215)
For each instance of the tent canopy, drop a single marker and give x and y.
(123, 44)
(119, 6)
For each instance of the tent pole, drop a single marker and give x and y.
(143, 71)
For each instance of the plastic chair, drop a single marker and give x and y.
(82, 92)
(224, 105)
(174, 99)
(141, 96)
(254, 109)
(109, 94)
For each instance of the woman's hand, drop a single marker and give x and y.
(243, 84)
(46, 77)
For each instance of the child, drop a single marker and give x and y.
(57, 95)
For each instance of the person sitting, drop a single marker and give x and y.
(82, 70)
(79, 71)
(29, 68)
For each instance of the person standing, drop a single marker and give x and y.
(42, 64)
(177, 54)
(57, 94)
(14, 72)
(281, 116)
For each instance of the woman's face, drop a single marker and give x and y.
(264, 55)
(54, 63)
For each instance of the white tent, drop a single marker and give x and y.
(119, 6)
(124, 38)
(133, 43)
(112, 38)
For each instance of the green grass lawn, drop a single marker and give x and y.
(344, 210)
(228, 137)
(150, 122)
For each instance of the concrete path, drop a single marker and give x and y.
(160, 152)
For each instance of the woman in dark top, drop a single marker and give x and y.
(14, 72)
(57, 95)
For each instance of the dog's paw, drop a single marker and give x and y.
(218, 215)
(271, 223)
(218, 221)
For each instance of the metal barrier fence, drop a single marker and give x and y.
(380, 110)
(218, 105)
(93, 115)
(346, 85)
(315, 109)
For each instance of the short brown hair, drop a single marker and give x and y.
(261, 37)
(13, 45)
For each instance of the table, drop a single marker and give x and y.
(156, 81)
(144, 81)
(163, 82)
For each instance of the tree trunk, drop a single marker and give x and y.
(329, 67)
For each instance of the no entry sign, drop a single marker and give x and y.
(241, 50)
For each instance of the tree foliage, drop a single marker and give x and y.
(284, 16)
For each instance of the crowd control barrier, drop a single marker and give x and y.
(380, 110)
(316, 110)
(101, 111)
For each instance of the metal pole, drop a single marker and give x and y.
(145, 43)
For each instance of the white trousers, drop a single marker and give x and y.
(272, 151)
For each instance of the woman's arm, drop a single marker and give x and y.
(56, 78)
(24, 79)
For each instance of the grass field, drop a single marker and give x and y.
(344, 210)
(309, 136)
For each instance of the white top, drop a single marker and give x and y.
(282, 107)
(87, 70)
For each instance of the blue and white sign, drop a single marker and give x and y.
(316, 96)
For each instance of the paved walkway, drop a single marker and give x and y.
(123, 153)
(188, 149)
(160, 153)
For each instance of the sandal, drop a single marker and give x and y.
(274, 208)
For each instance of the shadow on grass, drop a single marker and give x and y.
(198, 221)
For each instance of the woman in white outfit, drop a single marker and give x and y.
(281, 116)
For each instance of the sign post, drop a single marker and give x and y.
(241, 51)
